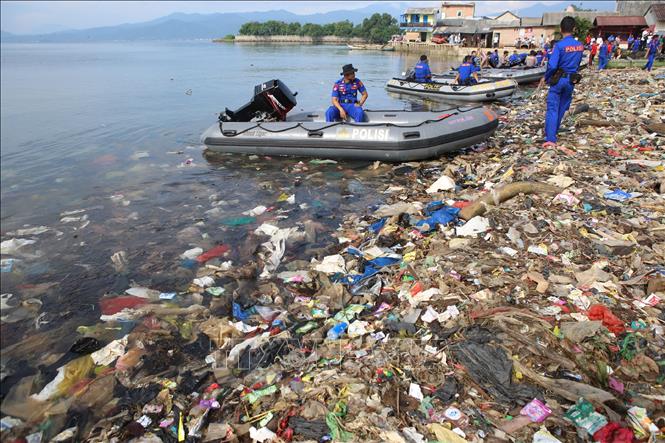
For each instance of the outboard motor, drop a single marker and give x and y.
(271, 102)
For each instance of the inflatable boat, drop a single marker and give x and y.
(263, 127)
(521, 74)
(484, 91)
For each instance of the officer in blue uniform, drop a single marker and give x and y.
(539, 58)
(494, 59)
(635, 46)
(345, 97)
(563, 63)
(422, 71)
(603, 56)
(652, 49)
(466, 73)
(514, 59)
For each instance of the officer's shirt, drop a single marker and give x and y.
(653, 47)
(348, 92)
(514, 59)
(603, 51)
(465, 70)
(494, 58)
(567, 55)
(539, 59)
(422, 71)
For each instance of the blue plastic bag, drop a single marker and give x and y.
(442, 216)
(618, 195)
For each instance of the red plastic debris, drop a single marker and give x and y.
(112, 306)
(213, 253)
(613, 433)
(461, 204)
(610, 321)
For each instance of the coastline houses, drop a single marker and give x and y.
(456, 21)
(655, 18)
(417, 24)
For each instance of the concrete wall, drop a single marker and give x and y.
(450, 11)
(432, 50)
(328, 39)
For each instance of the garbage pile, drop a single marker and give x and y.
(507, 293)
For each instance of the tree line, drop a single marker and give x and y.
(377, 29)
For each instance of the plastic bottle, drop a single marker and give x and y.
(336, 331)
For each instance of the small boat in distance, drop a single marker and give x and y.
(370, 47)
(484, 91)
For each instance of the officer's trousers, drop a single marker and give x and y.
(650, 60)
(558, 102)
(353, 111)
(602, 63)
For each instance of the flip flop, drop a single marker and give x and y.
(549, 145)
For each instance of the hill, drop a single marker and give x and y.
(181, 26)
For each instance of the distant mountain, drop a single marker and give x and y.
(181, 26)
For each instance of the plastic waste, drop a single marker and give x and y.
(336, 331)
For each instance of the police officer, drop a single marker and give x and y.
(652, 49)
(345, 97)
(422, 71)
(514, 59)
(494, 59)
(466, 73)
(603, 56)
(635, 46)
(564, 61)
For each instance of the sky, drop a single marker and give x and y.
(36, 17)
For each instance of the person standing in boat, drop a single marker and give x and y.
(421, 71)
(345, 97)
(561, 75)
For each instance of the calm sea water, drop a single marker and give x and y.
(100, 144)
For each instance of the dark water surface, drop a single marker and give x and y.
(100, 145)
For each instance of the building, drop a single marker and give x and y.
(451, 10)
(474, 32)
(417, 24)
(619, 26)
(655, 18)
(635, 7)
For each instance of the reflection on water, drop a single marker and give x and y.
(103, 175)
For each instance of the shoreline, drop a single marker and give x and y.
(509, 288)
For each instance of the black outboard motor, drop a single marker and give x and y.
(271, 102)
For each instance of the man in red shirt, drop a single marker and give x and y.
(587, 40)
(594, 51)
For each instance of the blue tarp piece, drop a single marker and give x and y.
(442, 216)
(372, 267)
(240, 314)
(377, 226)
(618, 195)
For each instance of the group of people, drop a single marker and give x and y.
(611, 48)
(563, 59)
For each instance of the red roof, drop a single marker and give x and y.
(618, 20)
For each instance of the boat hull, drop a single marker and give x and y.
(391, 136)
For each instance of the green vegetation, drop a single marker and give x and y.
(226, 38)
(377, 29)
(624, 64)
(582, 27)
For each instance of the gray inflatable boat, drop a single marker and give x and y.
(520, 74)
(444, 88)
(262, 127)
